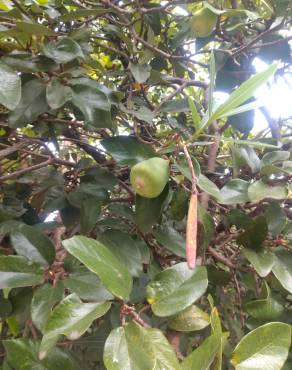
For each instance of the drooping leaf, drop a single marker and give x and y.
(100, 260)
(72, 318)
(176, 288)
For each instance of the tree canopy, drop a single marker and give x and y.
(145, 217)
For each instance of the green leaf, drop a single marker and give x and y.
(125, 248)
(87, 286)
(22, 354)
(195, 115)
(10, 87)
(72, 318)
(268, 309)
(149, 210)
(37, 29)
(135, 348)
(255, 234)
(265, 347)
(100, 260)
(208, 186)
(238, 97)
(171, 240)
(57, 94)
(93, 103)
(235, 191)
(282, 268)
(176, 288)
(190, 319)
(260, 190)
(63, 51)
(127, 150)
(32, 104)
(44, 298)
(276, 218)
(33, 244)
(82, 13)
(262, 260)
(90, 211)
(211, 84)
(141, 72)
(275, 156)
(202, 357)
(244, 92)
(16, 271)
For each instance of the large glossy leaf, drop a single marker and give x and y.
(89, 213)
(140, 72)
(22, 354)
(262, 260)
(268, 309)
(136, 348)
(260, 190)
(33, 244)
(202, 357)
(255, 234)
(190, 319)
(93, 103)
(57, 94)
(171, 240)
(17, 271)
(263, 348)
(87, 286)
(125, 248)
(10, 87)
(72, 318)
(63, 50)
(127, 150)
(176, 288)
(282, 268)
(100, 260)
(208, 186)
(33, 103)
(149, 210)
(276, 218)
(235, 191)
(44, 298)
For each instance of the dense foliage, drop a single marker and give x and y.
(95, 276)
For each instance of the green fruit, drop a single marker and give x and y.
(203, 23)
(149, 177)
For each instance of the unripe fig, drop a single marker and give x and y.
(149, 177)
(203, 23)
